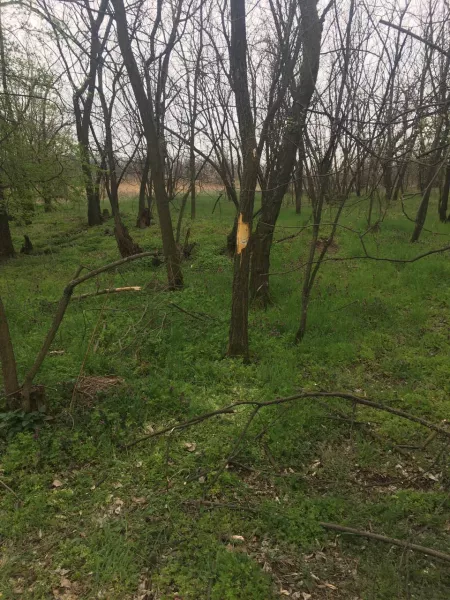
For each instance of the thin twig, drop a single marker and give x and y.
(187, 312)
(6, 486)
(416, 37)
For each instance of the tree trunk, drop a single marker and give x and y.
(238, 337)
(298, 185)
(262, 244)
(443, 198)
(150, 196)
(193, 190)
(124, 241)
(92, 195)
(421, 214)
(154, 145)
(291, 144)
(387, 178)
(231, 237)
(306, 289)
(48, 207)
(181, 214)
(6, 245)
(7, 358)
(143, 218)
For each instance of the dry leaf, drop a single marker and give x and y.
(238, 538)
(190, 446)
(140, 500)
(117, 485)
(65, 583)
(285, 593)
(306, 596)
(57, 483)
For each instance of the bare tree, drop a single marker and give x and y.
(80, 41)
(238, 337)
(154, 138)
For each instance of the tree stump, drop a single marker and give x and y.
(27, 247)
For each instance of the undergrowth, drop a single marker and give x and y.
(82, 517)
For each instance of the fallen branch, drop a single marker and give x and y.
(387, 540)
(178, 426)
(366, 257)
(231, 409)
(186, 312)
(194, 314)
(131, 288)
(209, 505)
(62, 307)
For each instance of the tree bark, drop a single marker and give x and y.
(6, 244)
(298, 187)
(7, 358)
(443, 198)
(154, 145)
(143, 218)
(421, 214)
(181, 214)
(193, 175)
(231, 237)
(92, 195)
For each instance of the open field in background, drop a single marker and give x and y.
(85, 519)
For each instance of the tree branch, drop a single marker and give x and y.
(231, 409)
(416, 37)
(388, 540)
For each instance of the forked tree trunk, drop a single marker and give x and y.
(282, 172)
(6, 244)
(7, 358)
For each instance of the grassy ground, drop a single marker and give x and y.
(83, 518)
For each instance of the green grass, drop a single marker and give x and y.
(128, 520)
